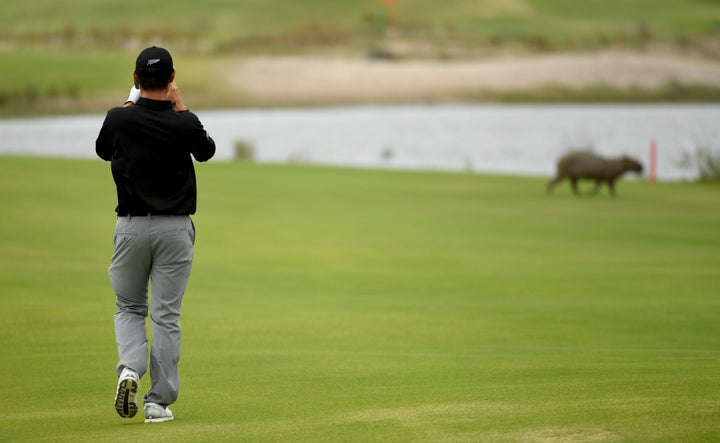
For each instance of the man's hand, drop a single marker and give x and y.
(133, 97)
(174, 96)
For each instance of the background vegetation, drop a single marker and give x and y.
(221, 25)
(352, 305)
(69, 56)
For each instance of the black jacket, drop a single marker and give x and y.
(150, 146)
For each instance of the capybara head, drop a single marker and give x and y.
(631, 164)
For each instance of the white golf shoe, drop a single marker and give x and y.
(155, 413)
(127, 391)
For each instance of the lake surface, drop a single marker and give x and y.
(514, 139)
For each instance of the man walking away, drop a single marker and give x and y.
(150, 142)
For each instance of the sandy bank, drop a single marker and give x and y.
(314, 80)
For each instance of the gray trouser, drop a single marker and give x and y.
(158, 249)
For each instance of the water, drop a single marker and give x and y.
(514, 139)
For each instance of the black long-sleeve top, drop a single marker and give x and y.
(149, 146)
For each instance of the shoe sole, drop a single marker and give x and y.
(125, 399)
(158, 419)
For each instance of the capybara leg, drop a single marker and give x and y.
(611, 186)
(574, 184)
(552, 183)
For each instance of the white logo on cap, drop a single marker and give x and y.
(152, 61)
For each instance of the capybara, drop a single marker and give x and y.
(578, 165)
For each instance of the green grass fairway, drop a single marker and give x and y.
(331, 304)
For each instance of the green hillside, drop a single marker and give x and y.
(221, 25)
(70, 56)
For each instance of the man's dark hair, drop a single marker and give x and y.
(155, 82)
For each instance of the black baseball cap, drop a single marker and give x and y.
(154, 61)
